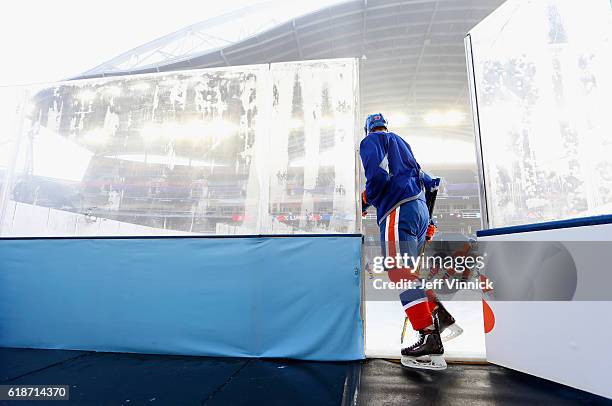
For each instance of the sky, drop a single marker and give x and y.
(51, 40)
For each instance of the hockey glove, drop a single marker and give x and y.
(431, 231)
(364, 204)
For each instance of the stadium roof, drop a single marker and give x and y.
(411, 51)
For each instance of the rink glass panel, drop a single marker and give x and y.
(12, 104)
(542, 86)
(312, 168)
(182, 152)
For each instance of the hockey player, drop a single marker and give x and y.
(396, 185)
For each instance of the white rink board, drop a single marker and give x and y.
(557, 347)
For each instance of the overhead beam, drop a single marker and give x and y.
(297, 39)
(224, 58)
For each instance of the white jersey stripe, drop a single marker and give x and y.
(387, 235)
(415, 302)
(396, 230)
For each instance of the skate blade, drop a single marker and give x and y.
(451, 332)
(431, 362)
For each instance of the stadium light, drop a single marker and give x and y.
(444, 119)
(86, 95)
(30, 108)
(114, 91)
(170, 160)
(140, 86)
(192, 130)
(97, 137)
(449, 151)
(294, 123)
(398, 119)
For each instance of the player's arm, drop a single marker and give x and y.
(373, 158)
(431, 184)
(364, 204)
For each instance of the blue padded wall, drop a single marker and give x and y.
(293, 297)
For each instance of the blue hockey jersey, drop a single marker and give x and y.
(393, 176)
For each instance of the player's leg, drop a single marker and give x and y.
(402, 235)
(449, 329)
(447, 325)
(405, 233)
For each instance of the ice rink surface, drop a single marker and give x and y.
(383, 327)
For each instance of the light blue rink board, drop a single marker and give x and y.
(293, 297)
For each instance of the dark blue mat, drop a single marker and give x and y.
(15, 362)
(134, 379)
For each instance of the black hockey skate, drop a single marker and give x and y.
(426, 353)
(447, 323)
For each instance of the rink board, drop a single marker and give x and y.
(547, 338)
(288, 297)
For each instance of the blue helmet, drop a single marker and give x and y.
(373, 121)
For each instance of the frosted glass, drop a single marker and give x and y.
(12, 106)
(542, 78)
(212, 151)
(312, 169)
